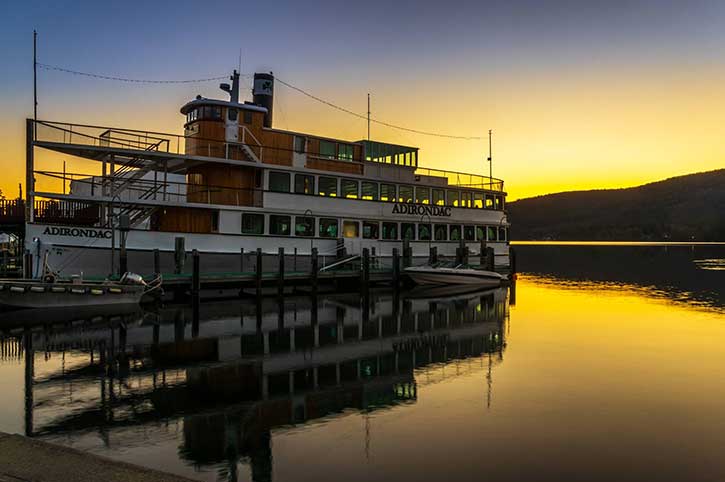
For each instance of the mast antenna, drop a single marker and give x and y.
(368, 116)
(490, 158)
(35, 75)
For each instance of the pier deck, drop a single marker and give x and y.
(24, 459)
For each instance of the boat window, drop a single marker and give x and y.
(327, 186)
(300, 144)
(371, 230)
(370, 190)
(304, 226)
(440, 232)
(424, 232)
(232, 114)
(453, 198)
(454, 232)
(466, 199)
(279, 181)
(501, 233)
(344, 152)
(390, 230)
(469, 233)
(407, 230)
(387, 192)
(491, 233)
(349, 188)
(478, 200)
(422, 195)
(252, 223)
(439, 197)
(304, 184)
(215, 221)
(405, 194)
(247, 116)
(327, 149)
(489, 201)
(499, 203)
(279, 225)
(480, 233)
(328, 228)
(350, 229)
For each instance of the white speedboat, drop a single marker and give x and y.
(453, 275)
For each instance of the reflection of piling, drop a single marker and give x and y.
(29, 375)
(195, 291)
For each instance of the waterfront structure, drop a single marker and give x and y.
(235, 182)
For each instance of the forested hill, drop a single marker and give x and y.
(682, 208)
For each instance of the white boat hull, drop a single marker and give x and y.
(450, 276)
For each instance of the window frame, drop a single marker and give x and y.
(331, 193)
(386, 224)
(253, 215)
(326, 223)
(279, 173)
(392, 198)
(404, 227)
(305, 177)
(343, 195)
(275, 217)
(376, 229)
(401, 187)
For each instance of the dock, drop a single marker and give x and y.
(24, 459)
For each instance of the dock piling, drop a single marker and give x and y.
(396, 268)
(157, 262)
(407, 253)
(258, 273)
(314, 270)
(179, 255)
(365, 269)
(241, 260)
(280, 273)
(432, 254)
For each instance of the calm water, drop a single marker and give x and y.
(604, 363)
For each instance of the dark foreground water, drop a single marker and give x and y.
(604, 363)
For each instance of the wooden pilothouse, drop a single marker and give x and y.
(234, 182)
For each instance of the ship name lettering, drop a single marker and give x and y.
(77, 232)
(421, 209)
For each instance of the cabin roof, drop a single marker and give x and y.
(224, 103)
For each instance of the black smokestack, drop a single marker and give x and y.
(263, 94)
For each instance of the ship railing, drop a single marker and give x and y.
(75, 213)
(461, 179)
(90, 135)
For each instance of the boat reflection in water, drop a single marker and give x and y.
(219, 383)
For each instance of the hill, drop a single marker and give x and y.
(682, 208)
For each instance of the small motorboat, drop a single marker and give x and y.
(48, 292)
(449, 274)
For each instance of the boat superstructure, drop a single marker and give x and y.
(235, 182)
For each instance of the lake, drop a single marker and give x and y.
(599, 363)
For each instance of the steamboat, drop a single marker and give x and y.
(233, 183)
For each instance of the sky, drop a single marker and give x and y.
(579, 95)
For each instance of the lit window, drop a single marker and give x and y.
(279, 181)
(328, 228)
(390, 230)
(489, 201)
(422, 195)
(304, 226)
(478, 200)
(252, 223)
(405, 194)
(480, 233)
(279, 225)
(327, 149)
(350, 229)
(370, 190)
(466, 199)
(453, 198)
(371, 230)
(345, 152)
(438, 197)
(454, 232)
(327, 186)
(304, 184)
(499, 203)
(387, 192)
(349, 188)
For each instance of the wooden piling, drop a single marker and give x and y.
(241, 260)
(195, 275)
(294, 261)
(490, 259)
(27, 265)
(258, 273)
(179, 255)
(407, 253)
(396, 268)
(157, 262)
(280, 272)
(432, 255)
(365, 269)
(482, 254)
(460, 251)
(314, 270)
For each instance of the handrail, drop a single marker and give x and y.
(339, 263)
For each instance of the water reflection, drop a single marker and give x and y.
(219, 378)
(688, 274)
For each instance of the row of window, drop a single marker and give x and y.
(370, 190)
(283, 225)
(214, 112)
